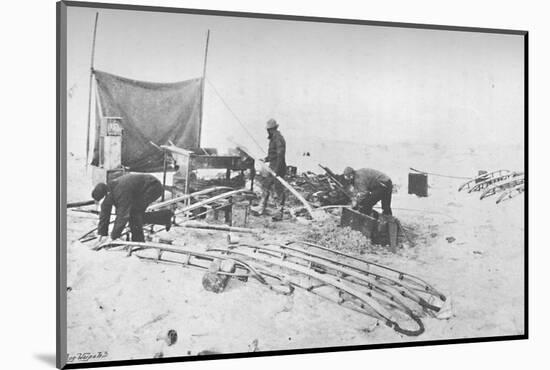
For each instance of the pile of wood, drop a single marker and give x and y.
(317, 189)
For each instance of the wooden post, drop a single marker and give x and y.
(164, 174)
(229, 212)
(90, 91)
(187, 179)
(229, 207)
(202, 85)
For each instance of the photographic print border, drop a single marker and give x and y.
(61, 171)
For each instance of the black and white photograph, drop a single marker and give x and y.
(247, 184)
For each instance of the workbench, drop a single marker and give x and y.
(188, 161)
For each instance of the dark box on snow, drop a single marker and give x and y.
(418, 184)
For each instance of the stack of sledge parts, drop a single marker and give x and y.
(396, 298)
(508, 184)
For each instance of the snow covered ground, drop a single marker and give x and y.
(122, 305)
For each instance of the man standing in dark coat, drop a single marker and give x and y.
(368, 187)
(131, 194)
(277, 162)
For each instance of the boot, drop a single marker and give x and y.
(259, 210)
(278, 216)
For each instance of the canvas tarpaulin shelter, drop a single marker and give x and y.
(150, 112)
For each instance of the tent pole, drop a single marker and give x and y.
(90, 92)
(203, 83)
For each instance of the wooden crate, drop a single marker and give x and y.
(112, 152)
(366, 225)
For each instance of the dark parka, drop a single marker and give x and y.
(276, 153)
(367, 180)
(131, 195)
(370, 186)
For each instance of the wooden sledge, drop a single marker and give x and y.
(390, 288)
(415, 282)
(486, 176)
(494, 180)
(497, 188)
(511, 193)
(213, 199)
(184, 197)
(87, 236)
(379, 301)
(371, 303)
(199, 260)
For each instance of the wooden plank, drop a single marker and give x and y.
(210, 200)
(175, 149)
(199, 225)
(80, 204)
(185, 197)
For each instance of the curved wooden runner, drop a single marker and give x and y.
(186, 196)
(133, 247)
(485, 184)
(482, 177)
(372, 303)
(188, 208)
(511, 193)
(377, 310)
(497, 188)
(420, 284)
(370, 279)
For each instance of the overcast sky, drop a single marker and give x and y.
(376, 85)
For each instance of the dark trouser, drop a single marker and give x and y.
(272, 185)
(136, 226)
(137, 214)
(138, 219)
(382, 193)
